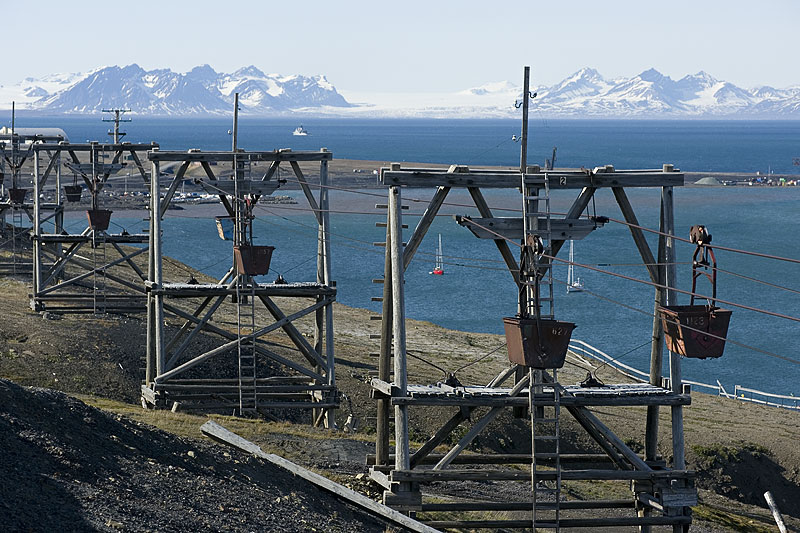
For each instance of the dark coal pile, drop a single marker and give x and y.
(66, 466)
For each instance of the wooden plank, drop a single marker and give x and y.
(245, 186)
(214, 156)
(475, 474)
(522, 401)
(563, 523)
(559, 179)
(187, 290)
(134, 238)
(220, 434)
(526, 505)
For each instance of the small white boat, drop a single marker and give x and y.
(299, 130)
(573, 284)
(438, 267)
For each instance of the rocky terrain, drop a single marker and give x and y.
(113, 470)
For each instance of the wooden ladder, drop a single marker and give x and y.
(545, 411)
(246, 314)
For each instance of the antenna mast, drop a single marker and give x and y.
(116, 120)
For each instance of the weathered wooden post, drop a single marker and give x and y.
(402, 456)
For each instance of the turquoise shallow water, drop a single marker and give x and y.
(476, 291)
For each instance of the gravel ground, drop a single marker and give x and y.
(70, 467)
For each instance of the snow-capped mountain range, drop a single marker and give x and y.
(203, 91)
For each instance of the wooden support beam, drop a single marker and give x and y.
(260, 349)
(483, 474)
(227, 157)
(176, 181)
(636, 232)
(293, 333)
(510, 179)
(589, 523)
(424, 223)
(475, 430)
(312, 202)
(502, 246)
(215, 431)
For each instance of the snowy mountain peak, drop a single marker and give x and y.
(652, 75)
(492, 88)
(163, 92)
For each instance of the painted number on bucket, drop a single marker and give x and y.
(696, 321)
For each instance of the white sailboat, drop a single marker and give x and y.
(438, 267)
(573, 284)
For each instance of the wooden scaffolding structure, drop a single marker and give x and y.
(660, 495)
(174, 356)
(83, 272)
(15, 200)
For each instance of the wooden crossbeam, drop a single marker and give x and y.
(205, 157)
(511, 179)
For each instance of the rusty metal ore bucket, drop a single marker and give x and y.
(73, 192)
(17, 195)
(525, 347)
(253, 260)
(696, 331)
(99, 219)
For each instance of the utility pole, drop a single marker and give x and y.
(116, 120)
(523, 158)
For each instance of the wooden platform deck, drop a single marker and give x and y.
(189, 290)
(572, 395)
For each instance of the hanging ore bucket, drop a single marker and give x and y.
(17, 195)
(697, 331)
(225, 227)
(542, 345)
(253, 260)
(73, 192)
(99, 219)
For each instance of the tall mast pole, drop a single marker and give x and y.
(523, 158)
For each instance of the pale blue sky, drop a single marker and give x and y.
(411, 45)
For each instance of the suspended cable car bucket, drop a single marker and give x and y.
(696, 331)
(99, 219)
(537, 346)
(253, 260)
(225, 226)
(73, 192)
(17, 196)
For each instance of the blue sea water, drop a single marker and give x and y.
(614, 314)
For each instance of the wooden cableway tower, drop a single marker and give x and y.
(93, 270)
(660, 495)
(265, 375)
(16, 201)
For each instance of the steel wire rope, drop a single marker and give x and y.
(727, 339)
(651, 283)
(267, 210)
(754, 348)
(414, 200)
